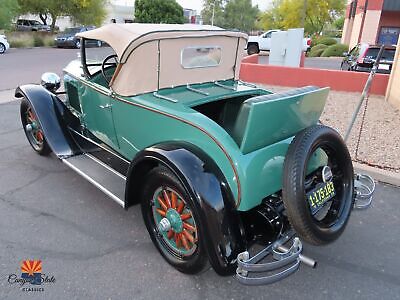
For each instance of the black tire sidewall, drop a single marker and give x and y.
(3, 48)
(45, 149)
(158, 177)
(295, 166)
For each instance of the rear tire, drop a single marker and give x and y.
(329, 227)
(192, 258)
(2, 48)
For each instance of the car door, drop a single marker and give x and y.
(96, 101)
(265, 41)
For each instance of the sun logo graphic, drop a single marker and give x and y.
(32, 271)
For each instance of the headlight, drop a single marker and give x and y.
(70, 38)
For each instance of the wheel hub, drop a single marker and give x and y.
(175, 220)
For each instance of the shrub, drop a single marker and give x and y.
(316, 53)
(49, 41)
(323, 40)
(327, 41)
(317, 50)
(38, 40)
(335, 50)
(20, 40)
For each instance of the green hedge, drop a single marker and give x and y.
(30, 39)
(317, 50)
(316, 53)
(335, 50)
(323, 40)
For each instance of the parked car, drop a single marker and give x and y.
(68, 38)
(262, 42)
(217, 165)
(31, 25)
(363, 56)
(4, 45)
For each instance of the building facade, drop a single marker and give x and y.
(372, 21)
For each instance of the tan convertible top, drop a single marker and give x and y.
(155, 50)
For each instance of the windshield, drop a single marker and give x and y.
(73, 30)
(388, 54)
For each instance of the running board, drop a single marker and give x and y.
(100, 175)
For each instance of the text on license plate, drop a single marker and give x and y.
(322, 193)
(384, 67)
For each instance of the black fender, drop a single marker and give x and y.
(53, 117)
(210, 192)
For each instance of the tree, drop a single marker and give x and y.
(285, 14)
(158, 11)
(85, 12)
(216, 6)
(240, 14)
(9, 9)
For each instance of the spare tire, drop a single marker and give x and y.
(325, 223)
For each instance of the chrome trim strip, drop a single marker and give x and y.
(227, 87)
(155, 94)
(192, 89)
(95, 183)
(97, 144)
(105, 165)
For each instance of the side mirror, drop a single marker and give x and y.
(50, 81)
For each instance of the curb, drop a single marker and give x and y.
(7, 96)
(378, 174)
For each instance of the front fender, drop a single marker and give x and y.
(220, 221)
(53, 118)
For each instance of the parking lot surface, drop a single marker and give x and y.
(96, 250)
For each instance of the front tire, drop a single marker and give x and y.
(329, 223)
(2, 48)
(32, 129)
(182, 243)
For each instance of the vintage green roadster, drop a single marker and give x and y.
(159, 117)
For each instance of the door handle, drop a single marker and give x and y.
(105, 106)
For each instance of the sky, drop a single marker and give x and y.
(197, 4)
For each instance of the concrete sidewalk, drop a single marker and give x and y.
(7, 96)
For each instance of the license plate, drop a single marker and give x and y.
(322, 193)
(384, 67)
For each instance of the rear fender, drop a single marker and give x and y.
(53, 117)
(220, 221)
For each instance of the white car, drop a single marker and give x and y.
(4, 45)
(263, 42)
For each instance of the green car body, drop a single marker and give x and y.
(135, 123)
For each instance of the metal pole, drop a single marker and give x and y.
(365, 92)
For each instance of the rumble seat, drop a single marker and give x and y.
(264, 120)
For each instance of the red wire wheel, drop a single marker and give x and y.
(172, 222)
(32, 129)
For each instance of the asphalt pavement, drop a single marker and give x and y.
(94, 249)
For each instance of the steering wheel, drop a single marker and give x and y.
(106, 64)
